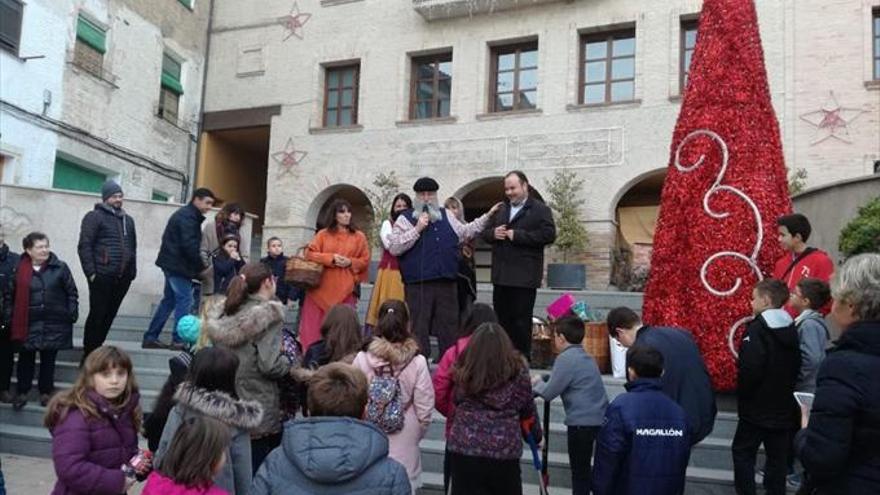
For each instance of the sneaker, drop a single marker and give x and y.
(19, 402)
(45, 398)
(793, 481)
(759, 475)
(177, 346)
(153, 344)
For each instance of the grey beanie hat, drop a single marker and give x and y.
(109, 189)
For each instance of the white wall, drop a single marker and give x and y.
(29, 147)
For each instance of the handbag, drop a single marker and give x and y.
(302, 273)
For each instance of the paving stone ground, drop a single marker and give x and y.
(34, 475)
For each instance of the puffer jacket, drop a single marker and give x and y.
(88, 452)
(489, 425)
(768, 367)
(179, 253)
(840, 448)
(644, 444)
(54, 307)
(8, 265)
(239, 415)
(108, 243)
(331, 456)
(254, 335)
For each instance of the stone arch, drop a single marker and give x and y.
(479, 195)
(635, 209)
(360, 202)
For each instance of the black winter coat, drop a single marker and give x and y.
(53, 308)
(283, 291)
(840, 448)
(520, 262)
(179, 254)
(8, 265)
(768, 367)
(685, 377)
(108, 243)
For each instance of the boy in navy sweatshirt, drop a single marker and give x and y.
(644, 444)
(575, 376)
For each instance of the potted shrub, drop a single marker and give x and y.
(862, 234)
(564, 190)
(386, 187)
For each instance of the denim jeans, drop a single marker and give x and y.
(178, 297)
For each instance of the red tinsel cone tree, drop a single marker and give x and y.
(726, 186)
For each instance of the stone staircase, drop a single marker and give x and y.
(710, 470)
(22, 433)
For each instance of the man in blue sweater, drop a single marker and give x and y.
(644, 445)
(685, 378)
(575, 376)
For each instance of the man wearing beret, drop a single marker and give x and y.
(425, 240)
(108, 254)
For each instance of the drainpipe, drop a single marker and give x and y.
(198, 135)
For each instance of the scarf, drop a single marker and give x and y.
(22, 302)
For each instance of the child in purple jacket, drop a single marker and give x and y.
(94, 428)
(493, 396)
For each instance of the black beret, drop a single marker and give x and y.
(426, 184)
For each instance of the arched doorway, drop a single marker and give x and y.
(635, 212)
(478, 197)
(362, 213)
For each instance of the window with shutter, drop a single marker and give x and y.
(75, 177)
(10, 25)
(90, 46)
(170, 89)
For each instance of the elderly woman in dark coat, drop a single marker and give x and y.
(840, 443)
(45, 307)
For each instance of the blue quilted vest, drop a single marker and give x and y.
(434, 256)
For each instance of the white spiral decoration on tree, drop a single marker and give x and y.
(751, 260)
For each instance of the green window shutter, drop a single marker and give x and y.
(73, 177)
(157, 196)
(171, 74)
(187, 3)
(91, 34)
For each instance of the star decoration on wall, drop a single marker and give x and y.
(831, 120)
(294, 21)
(289, 157)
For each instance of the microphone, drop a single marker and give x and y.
(425, 208)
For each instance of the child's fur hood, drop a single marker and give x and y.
(220, 405)
(253, 318)
(392, 353)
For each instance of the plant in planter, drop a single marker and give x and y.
(385, 187)
(862, 234)
(564, 190)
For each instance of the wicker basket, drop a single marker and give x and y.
(596, 343)
(302, 273)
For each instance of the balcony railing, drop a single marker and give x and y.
(433, 10)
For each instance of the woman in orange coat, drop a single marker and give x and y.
(343, 250)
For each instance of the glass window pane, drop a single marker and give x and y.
(690, 38)
(423, 110)
(331, 118)
(528, 59)
(504, 102)
(596, 49)
(504, 82)
(877, 47)
(445, 69)
(443, 110)
(347, 97)
(687, 59)
(348, 77)
(622, 91)
(594, 71)
(332, 99)
(623, 68)
(332, 78)
(444, 88)
(425, 71)
(345, 116)
(594, 93)
(625, 46)
(506, 61)
(528, 79)
(170, 66)
(876, 69)
(425, 91)
(527, 99)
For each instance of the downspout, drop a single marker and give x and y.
(198, 135)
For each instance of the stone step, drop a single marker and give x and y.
(140, 358)
(147, 378)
